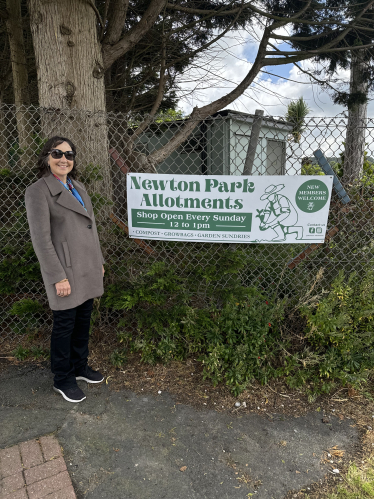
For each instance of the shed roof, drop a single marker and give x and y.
(266, 120)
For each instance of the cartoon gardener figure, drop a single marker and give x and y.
(279, 214)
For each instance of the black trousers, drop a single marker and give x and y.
(69, 343)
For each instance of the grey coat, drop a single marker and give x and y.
(65, 241)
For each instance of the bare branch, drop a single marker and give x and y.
(311, 75)
(322, 50)
(106, 7)
(211, 14)
(159, 97)
(219, 12)
(105, 17)
(309, 22)
(325, 49)
(90, 2)
(112, 53)
(199, 114)
(284, 78)
(363, 28)
(295, 16)
(320, 82)
(302, 38)
(206, 45)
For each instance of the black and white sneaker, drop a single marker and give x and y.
(71, 394)
(89, 375)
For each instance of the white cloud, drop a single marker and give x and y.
(217, 72)
(214, 77)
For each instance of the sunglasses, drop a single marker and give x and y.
(57, 154)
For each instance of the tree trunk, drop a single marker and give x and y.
(356, 127)
(4, 163)
(253, 141)
(20, 79)
(71, 80)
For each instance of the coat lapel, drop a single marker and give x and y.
(86, 198)
(65, 198)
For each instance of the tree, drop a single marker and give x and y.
(360, 62)
(20, 76)
(17, 53)
(78, 42)
(296, 113)
(19, 25)
(357, 114)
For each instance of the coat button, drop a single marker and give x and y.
(89, 226)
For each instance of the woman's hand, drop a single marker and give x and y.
(103, 270)
(63, 288)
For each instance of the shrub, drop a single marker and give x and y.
(339, 336)
(118, 357)
(21, 353)
(28, 313)
(232, 329)
(19, 266)
(310, 169)
(39, 353)
(242, 341)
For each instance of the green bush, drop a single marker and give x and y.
(21, 353)
(39, 353)
(232, 328)
(28, 316)
(158, 301)
(240, 333)
(339, 336)
(367, 178)
(243, 341)
(18, 267)
(310, 169)
(118, 357)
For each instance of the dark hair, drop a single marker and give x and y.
(52, 143)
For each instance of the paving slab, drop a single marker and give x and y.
(122, 445)
(38, 477)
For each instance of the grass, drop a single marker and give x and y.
(358, 483)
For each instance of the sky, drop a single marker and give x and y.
(232, 57)
(231, 60)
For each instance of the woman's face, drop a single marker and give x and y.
(61, 167)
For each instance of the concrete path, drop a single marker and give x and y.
(126, 446)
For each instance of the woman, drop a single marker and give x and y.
(65, 240)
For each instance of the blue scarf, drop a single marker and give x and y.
(70, 187)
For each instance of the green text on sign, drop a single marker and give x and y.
(192, 220)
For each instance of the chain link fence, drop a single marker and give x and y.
(109, 145)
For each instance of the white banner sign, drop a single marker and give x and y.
(227, 209)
